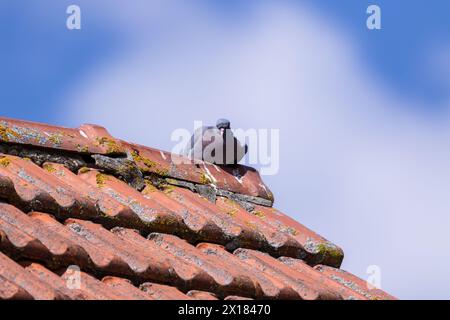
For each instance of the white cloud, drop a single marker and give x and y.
(356, 165)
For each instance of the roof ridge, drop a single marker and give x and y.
(91, 145)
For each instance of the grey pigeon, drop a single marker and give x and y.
(216, 145)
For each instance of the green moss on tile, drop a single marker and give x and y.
(332, 254)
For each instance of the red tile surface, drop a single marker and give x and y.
(21, 283)
(59, 228)
(34, 281)
(163, 292)
(237, 298)
(316, 248)
(163, 258)
(201, 295)
(239, 178)
(92, 195)
(353, 283)
(93, 139)
(85, 139)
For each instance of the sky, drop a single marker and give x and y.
(363, 114)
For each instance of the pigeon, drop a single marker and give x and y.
(216, 145)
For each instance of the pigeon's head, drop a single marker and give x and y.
(222, 125)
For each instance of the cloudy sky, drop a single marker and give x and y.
(363, 115)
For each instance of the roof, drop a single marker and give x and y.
(130, 222)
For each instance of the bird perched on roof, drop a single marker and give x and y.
(217, 144)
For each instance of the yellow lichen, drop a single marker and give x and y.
(162, 172)
(204, 179)
(250, 225)
(3, 133)
(171, 181)
(4, 162)
(231, 202)
(259, 214)
(83, 149)
(6, 133)
(149, 188)
(49, 167)
(101, 179)
(56, 138)
(168, 189)
(232, 212)
(110, 144)
(138, 158)
(270, 195)
(150, 164)
(292, 231)
(84, 170)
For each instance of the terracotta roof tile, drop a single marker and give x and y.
(316, 249)
(218, 278)
(195, 231)
(237, 298)
(201, 295)
(239, 179)
(302, 287)
(11, 291)
(85, 139)
(265, 286)
(163, 292)
(23, 283)
(34, 281)
(126, 288)
(352, 282)
(93, 139)
(57, 283)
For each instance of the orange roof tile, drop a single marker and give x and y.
(60, 207)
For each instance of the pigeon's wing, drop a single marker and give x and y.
(202, 144)
(233, 149)
(239, 150)
(212, 145)
(189, 150)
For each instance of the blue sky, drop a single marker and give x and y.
(43, 59)
(363, 115)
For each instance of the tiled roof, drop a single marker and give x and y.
(138, 225)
